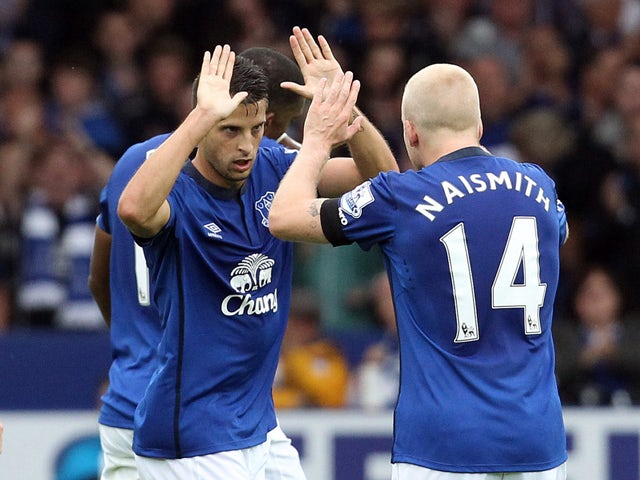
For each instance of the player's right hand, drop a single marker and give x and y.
(316, 61)
(213, 94)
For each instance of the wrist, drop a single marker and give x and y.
(318, 151)
(199, 122)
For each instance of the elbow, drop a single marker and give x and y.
(281, 222)
(129, 213)
(392, 164)
(277, 226)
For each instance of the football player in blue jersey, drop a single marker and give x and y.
(119, 272)
(471, 245)
(119, 282)
(221, 281)
(285, 105)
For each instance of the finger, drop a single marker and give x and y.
(215, 59)
(354, 91)
(326, 49)
(296, 49)
(239, 97)
(334, 90)
(228, 67)
(313, 46)
(295, 88)
(356, 126)
(318, 95)
(221, 65)
(206, 60)
(304, 46)
(345, 94)
(343, 91)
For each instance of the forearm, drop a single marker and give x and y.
(142, 206)
(369, 149)
(100, 273)
(295, 211)
(103, 300)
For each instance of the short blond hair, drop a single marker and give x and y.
(441, 96)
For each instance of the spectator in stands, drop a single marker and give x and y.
(501, 32)
(499, 102)
(22, 92)
(606, 23)
(342, 25)
(23, 65)
(14, 161)
(151, 17)
(23, 118)
(547, 68)
(383, 69)
(57, 235)
(623, 106)
(613, 225)
(597, 75)
(598, 361)
(167, 76)
(313, 371)
(120, 75)
(75, 106)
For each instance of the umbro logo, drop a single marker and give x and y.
(213, 230)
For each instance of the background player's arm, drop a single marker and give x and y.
(370, 155)
(99, 273)
(143, 205)
(370, 151)
(295, 212)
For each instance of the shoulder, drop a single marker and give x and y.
(270, 143)
(136, 154)
(278, 157)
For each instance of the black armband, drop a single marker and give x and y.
(331, 224)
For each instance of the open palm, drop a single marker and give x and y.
(213, 88)
(316, 61)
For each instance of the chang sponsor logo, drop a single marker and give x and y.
(251, 274)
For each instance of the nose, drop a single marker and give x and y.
(245, 144)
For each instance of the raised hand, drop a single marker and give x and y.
(316, 61)
(213, 88)
(330, 111)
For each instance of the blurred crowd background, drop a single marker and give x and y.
(559, 84)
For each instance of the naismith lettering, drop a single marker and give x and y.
(482, 182)
(241, 304)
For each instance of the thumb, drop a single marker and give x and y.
(239, 97)
(356, 125)
(295, 88)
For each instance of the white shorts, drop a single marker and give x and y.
(119, 459)
(275, 459)
(406, 471)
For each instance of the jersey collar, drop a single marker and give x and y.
(464, 153)
(212, 188)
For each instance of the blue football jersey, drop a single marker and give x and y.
(222, 286)
(135, 325)
(471, 246)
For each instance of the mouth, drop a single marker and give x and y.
(242, 165)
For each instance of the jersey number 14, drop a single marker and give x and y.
(520, 254)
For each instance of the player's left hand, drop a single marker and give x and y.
(316, 61)
(329, 115)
